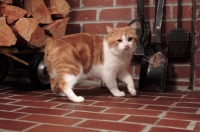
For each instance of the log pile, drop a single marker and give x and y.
(29, 23)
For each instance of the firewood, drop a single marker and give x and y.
(57, 28)
(29, 33)
(7, 37)
(38, 10)
(7, 1)
(58, 7)
(12, 13)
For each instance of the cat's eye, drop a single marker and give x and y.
(119, 40)
(130, 39)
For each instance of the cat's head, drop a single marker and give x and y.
(122, 39)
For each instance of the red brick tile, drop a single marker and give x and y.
(116, 14)
(11, 115)
(107, 99)
(133, 111)
(8, 107)
(6, 100)
(33, 98)
(154, 94)
(50, 128)
(187, 110)
(142, 119)
(120, 105)
(15, 125)
(36, 103)
(66, 101)
(98, 116)
(127, 2)
(46, 111)
(168, 99)
(183, 116)
(173, 123)
(80, 107)
(194, 105)
(153, 107)
(197, 126)
(112, 126)
(152, 102)
(51, 119)
(163, 129)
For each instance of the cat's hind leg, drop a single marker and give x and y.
(55, 88)
(66, 83)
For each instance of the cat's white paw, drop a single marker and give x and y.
(133, 92)
(118, 93)
(78, 99)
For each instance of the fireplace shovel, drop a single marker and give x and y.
(154, 62)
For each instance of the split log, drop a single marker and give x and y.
(38, 10)
(7, 1)
(7, 37)
(29, 33)
(57, 28)
(12, 13)
(58, 7)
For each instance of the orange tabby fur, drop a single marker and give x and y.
(74, 57)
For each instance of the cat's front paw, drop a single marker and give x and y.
(118, 93)
(78, 99)
(133, 92)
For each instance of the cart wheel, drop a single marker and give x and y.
(3, 65)
(37, 72)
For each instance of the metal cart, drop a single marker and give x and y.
(36, 68)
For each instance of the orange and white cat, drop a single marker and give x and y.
(80, 56)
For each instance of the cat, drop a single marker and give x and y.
(79, 56)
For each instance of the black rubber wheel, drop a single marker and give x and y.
(3, 65)
(37, 72)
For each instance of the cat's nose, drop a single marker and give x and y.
(127, 47)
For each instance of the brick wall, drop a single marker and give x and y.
(93, 15)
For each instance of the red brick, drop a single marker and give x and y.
(133, 111)
(9, 107)
(198, 57)
(177, 83)
(98, 116)
(175, 2)
(198, 41)
(167, 26)
(36, 103)
(121, 24)
(194, 117)
(112, 126)
(142, 119)
(94, 3)
(46, 111)
(80, 107)
(173, 123)
(193, 105)
(154, 107)
(197, 127)
(96, 28)
(166, 12)
(51, 119)
(168, 99)
(15, 125)
(177, 72)
(127, 2)
(149, 13)
(11, 115)
(186, 110)
(115, 14)
(51, 128)
(6, 100)
(73, 28)
(186, 12)
(108, 99)
(74, 3)
(84, 15)
(198, 26)
(120, 105)
(163, 129)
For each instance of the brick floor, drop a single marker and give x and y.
(23, 108)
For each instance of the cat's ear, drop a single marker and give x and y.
(135, 25)
(109, 29)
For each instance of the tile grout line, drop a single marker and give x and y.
(191, 125)
(78, 123)
(124, 118)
